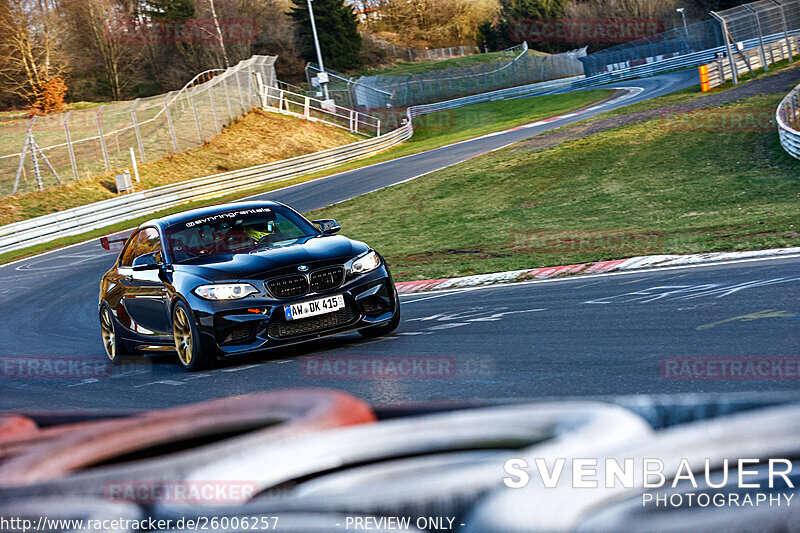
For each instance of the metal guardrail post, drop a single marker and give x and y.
(136, 130)
(242, 105)
(102, 137)
(21, 167)
(36, 170)
(250, 89)
(725, 34)
(169, 123)
(196, 117)
(227, 96)
(306, 107)
(785, 29)
(69, 146)
(213, 107)
(760, 37)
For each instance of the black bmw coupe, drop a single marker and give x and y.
(230, 279)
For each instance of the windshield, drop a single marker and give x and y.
(237, 231)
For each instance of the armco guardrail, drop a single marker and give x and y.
(102, 214)
(788, 118)
(678, 62)
(748, 61)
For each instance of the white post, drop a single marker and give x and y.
(135, 167)
(169, 123)
(316, 45)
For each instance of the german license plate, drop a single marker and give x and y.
(314, 307)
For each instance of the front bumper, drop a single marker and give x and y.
(258, 322)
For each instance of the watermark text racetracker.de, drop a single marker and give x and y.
(180, 492)
(202, 523)
(580, 30)
(64, 367)
(718, 484)
(543, 242)
(396, 367)
(734, 119)
(733, 368)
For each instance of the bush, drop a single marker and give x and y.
(49, 96)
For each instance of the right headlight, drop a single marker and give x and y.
(364, 263)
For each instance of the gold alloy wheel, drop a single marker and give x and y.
(109, 339)
(182, 333)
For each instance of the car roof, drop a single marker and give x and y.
(168, 220)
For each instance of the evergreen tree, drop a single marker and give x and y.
(533, 9)
(172, 10)
(337, 28)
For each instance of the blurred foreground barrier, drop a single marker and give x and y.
(300, 466)
(418, 466)
(15, 426)
(762, 434)
(267, 416)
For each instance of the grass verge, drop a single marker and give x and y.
(437, 130)
(641, 189)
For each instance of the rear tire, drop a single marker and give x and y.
(116, 349)
(192, 355)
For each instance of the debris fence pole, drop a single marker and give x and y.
(72, 160)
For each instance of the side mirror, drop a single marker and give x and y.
(151, 261)
(328, 226)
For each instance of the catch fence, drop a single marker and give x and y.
(522, 67)
(46, 151)
(729, 32)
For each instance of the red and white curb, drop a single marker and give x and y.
(633, 263)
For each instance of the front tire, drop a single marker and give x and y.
(383, 329)
(116, 350)
(192, 355)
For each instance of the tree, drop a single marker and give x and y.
(169, 10)
(533, 9)
(94, 45)
(30, 55)
(434, 23)
(337, 28)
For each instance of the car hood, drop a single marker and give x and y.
(313, 251)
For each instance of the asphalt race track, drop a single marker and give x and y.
(589, 335)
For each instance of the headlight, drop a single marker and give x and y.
(365, 263)
(225, 291)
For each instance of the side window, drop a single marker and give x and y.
(149, 242)
(129, 253)
(287, 229)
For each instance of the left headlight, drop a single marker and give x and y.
(225, 291)
(365, 263)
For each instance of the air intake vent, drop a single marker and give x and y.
(280, 329)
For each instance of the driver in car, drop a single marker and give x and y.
(264, 232)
